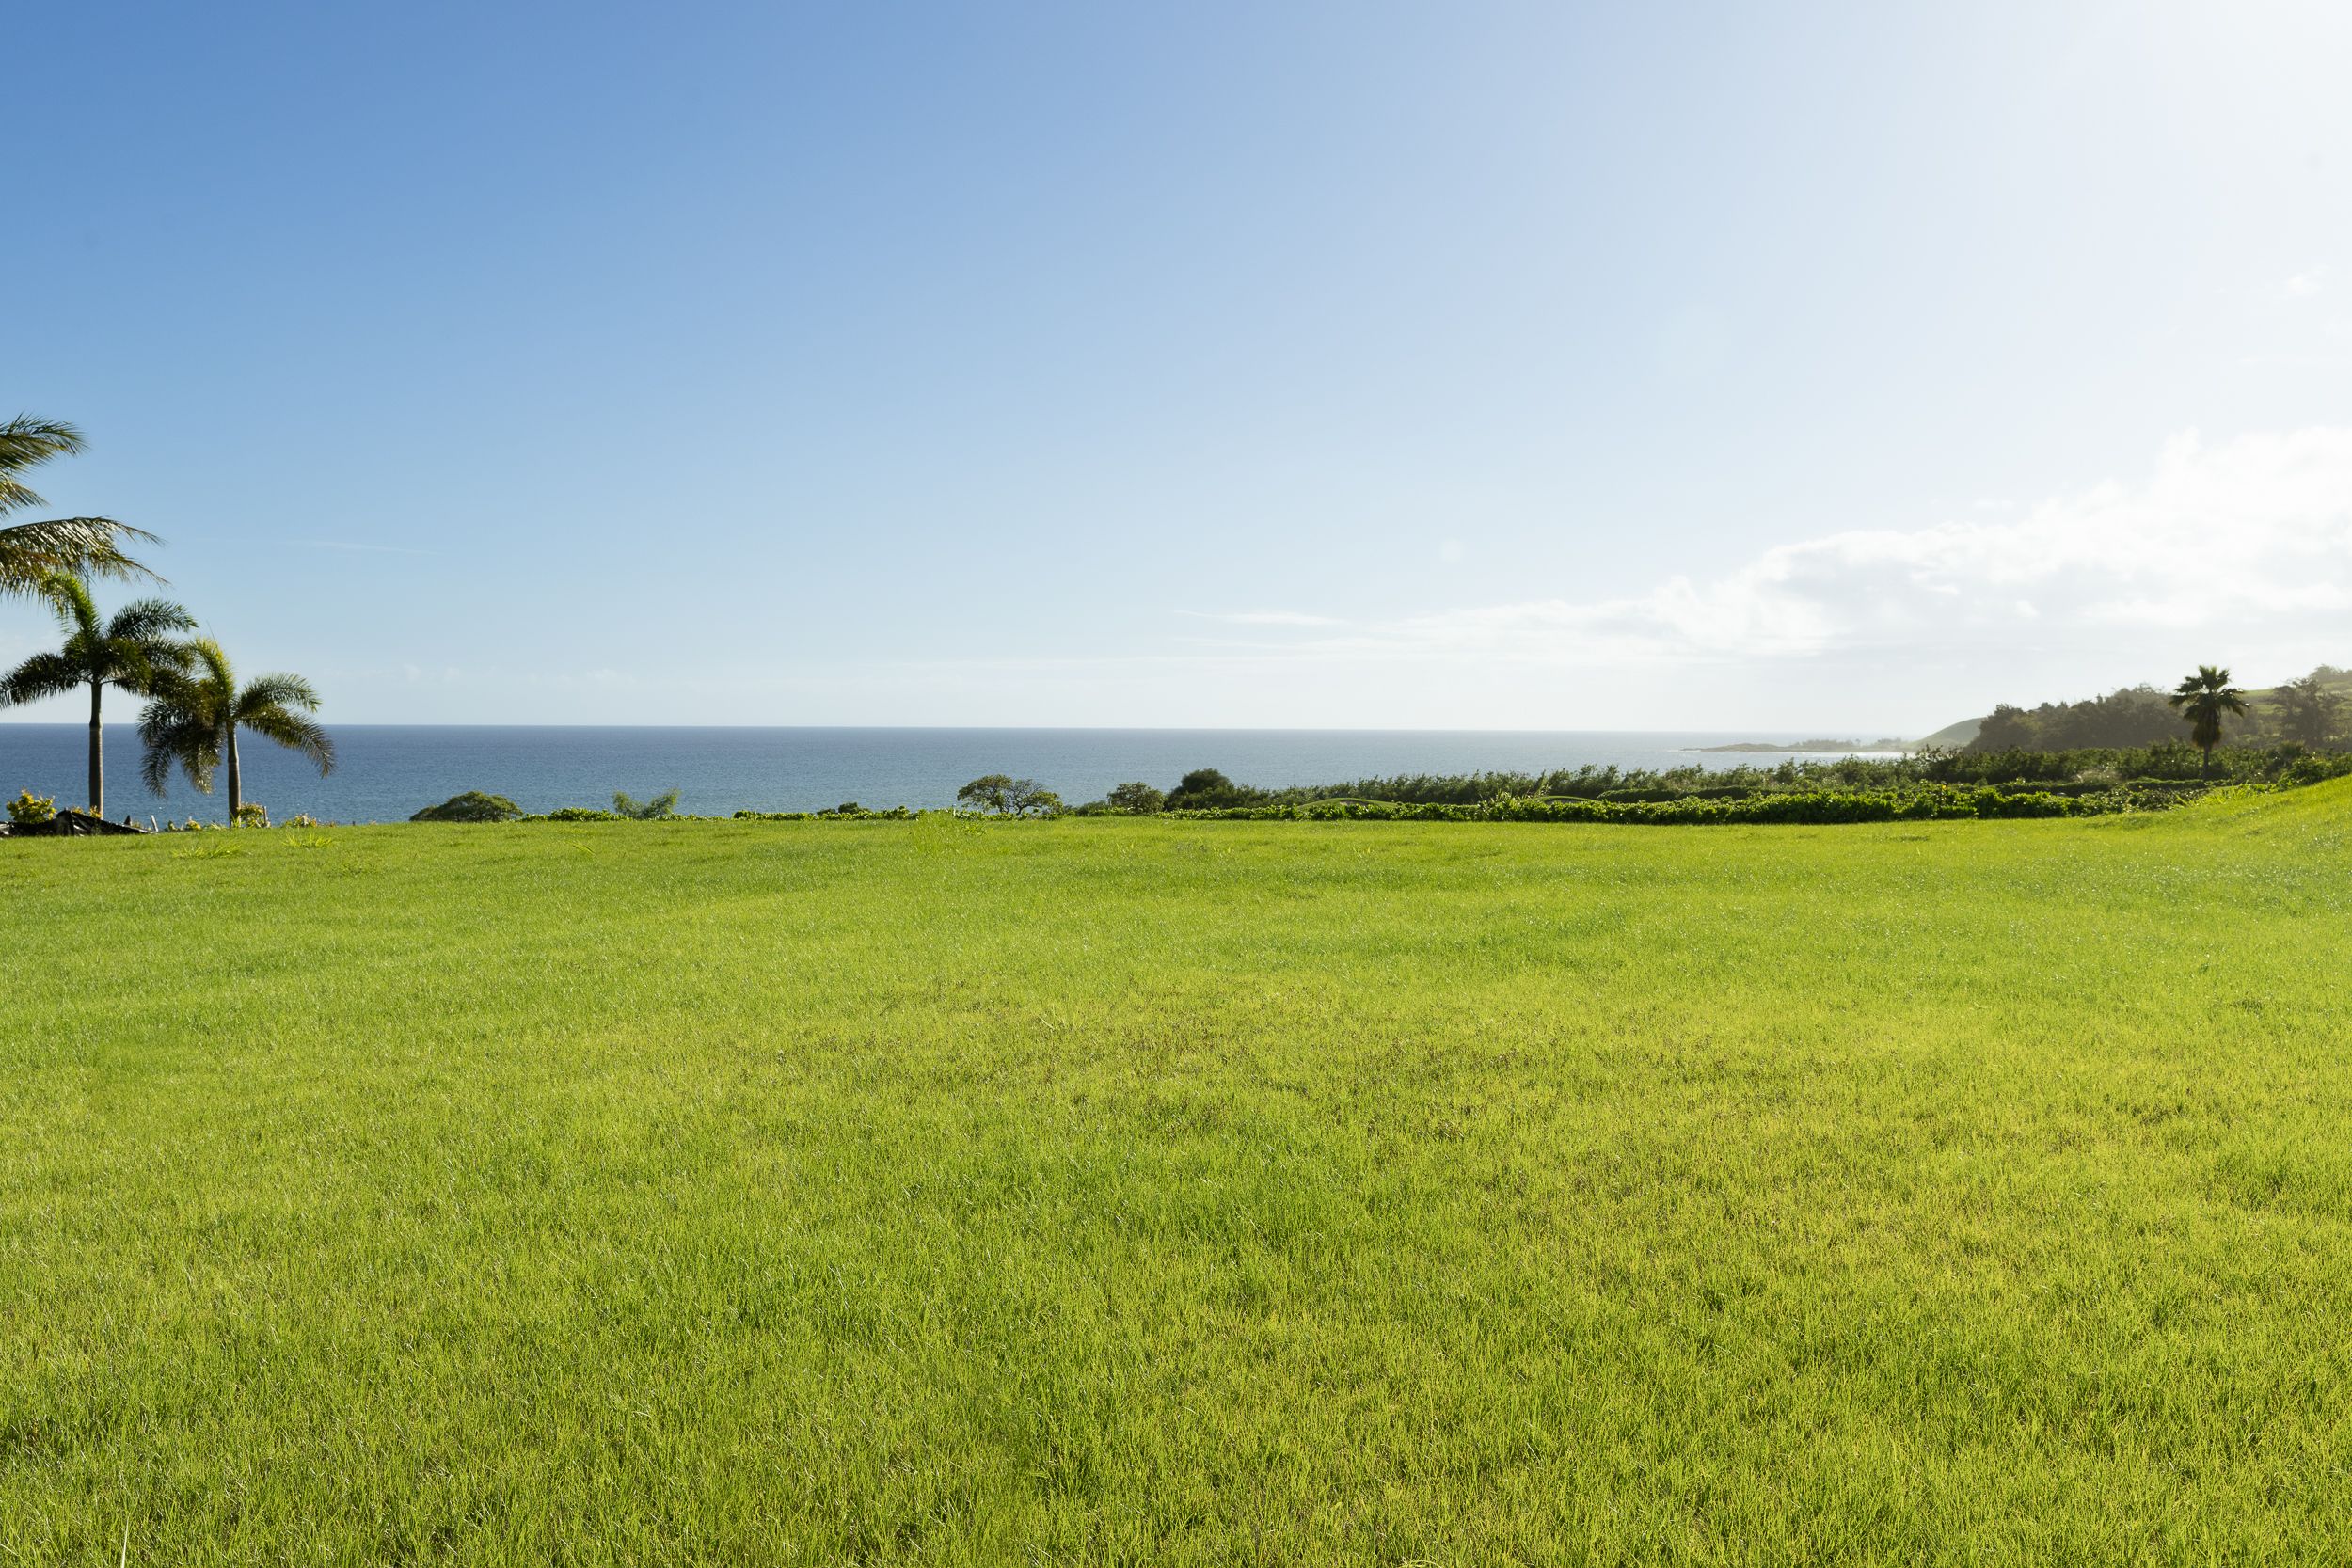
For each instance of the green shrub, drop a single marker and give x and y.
(472, 806)
(1205, 788)
(1137, 798)
(252, 815)
(661, 806)
(29, 810)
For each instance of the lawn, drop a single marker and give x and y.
(1116, 1192)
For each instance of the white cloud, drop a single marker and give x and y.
(2305, 284)
(2231, 539)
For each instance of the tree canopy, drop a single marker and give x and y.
(1007, 796)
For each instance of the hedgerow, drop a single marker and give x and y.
(1918, 802)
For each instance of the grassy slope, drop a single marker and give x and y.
(1955, 737)
(1112, 1191)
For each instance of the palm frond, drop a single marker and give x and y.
(78, 547)
(276, 690)
(294, 732)
(69, 598)
(211, 660)
(44, 675)
(172, 736)
(23, 442)
(149, 620)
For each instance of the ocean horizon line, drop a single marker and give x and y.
(1801, 731)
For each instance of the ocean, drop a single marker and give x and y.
(385, 772)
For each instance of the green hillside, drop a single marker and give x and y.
(2255, 726)
(1953, 737)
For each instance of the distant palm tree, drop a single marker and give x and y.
(31, 552)
(131, 651)
(2203, 698)
(192, 720)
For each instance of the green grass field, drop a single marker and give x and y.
(1113, 1192)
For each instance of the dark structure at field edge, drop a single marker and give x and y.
(66, 824)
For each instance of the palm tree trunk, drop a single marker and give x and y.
(97, 751)
(236, 790)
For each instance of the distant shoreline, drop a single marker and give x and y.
(1830, 747)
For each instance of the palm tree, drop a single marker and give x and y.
(32, 552)
(191, 723)
(130, 651)
(2203, 699)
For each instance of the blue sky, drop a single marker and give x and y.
(1819, 367)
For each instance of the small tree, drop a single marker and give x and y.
(2203, 698)
(1205, 787)
(1140, 799)
(1007, 796)
(2310, 711)
(989, 792)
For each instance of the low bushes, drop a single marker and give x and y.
(847, 811)
(1921, 802)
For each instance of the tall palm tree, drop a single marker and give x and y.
(2203, 698)
(32, 552)
(130, 651)
(191, 723)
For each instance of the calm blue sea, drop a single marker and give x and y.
(387, 771)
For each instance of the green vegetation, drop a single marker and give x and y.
(472, 806)
(1136, 800)
(194, 708)
(1916, 803)
(659, 808)
(32, 553)
(130, 651)
(193, 721)
(1131, 1190)
(2128, 778)
(2205, 699)
(1006, 796)
(2309, 712)
(1207, 789)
